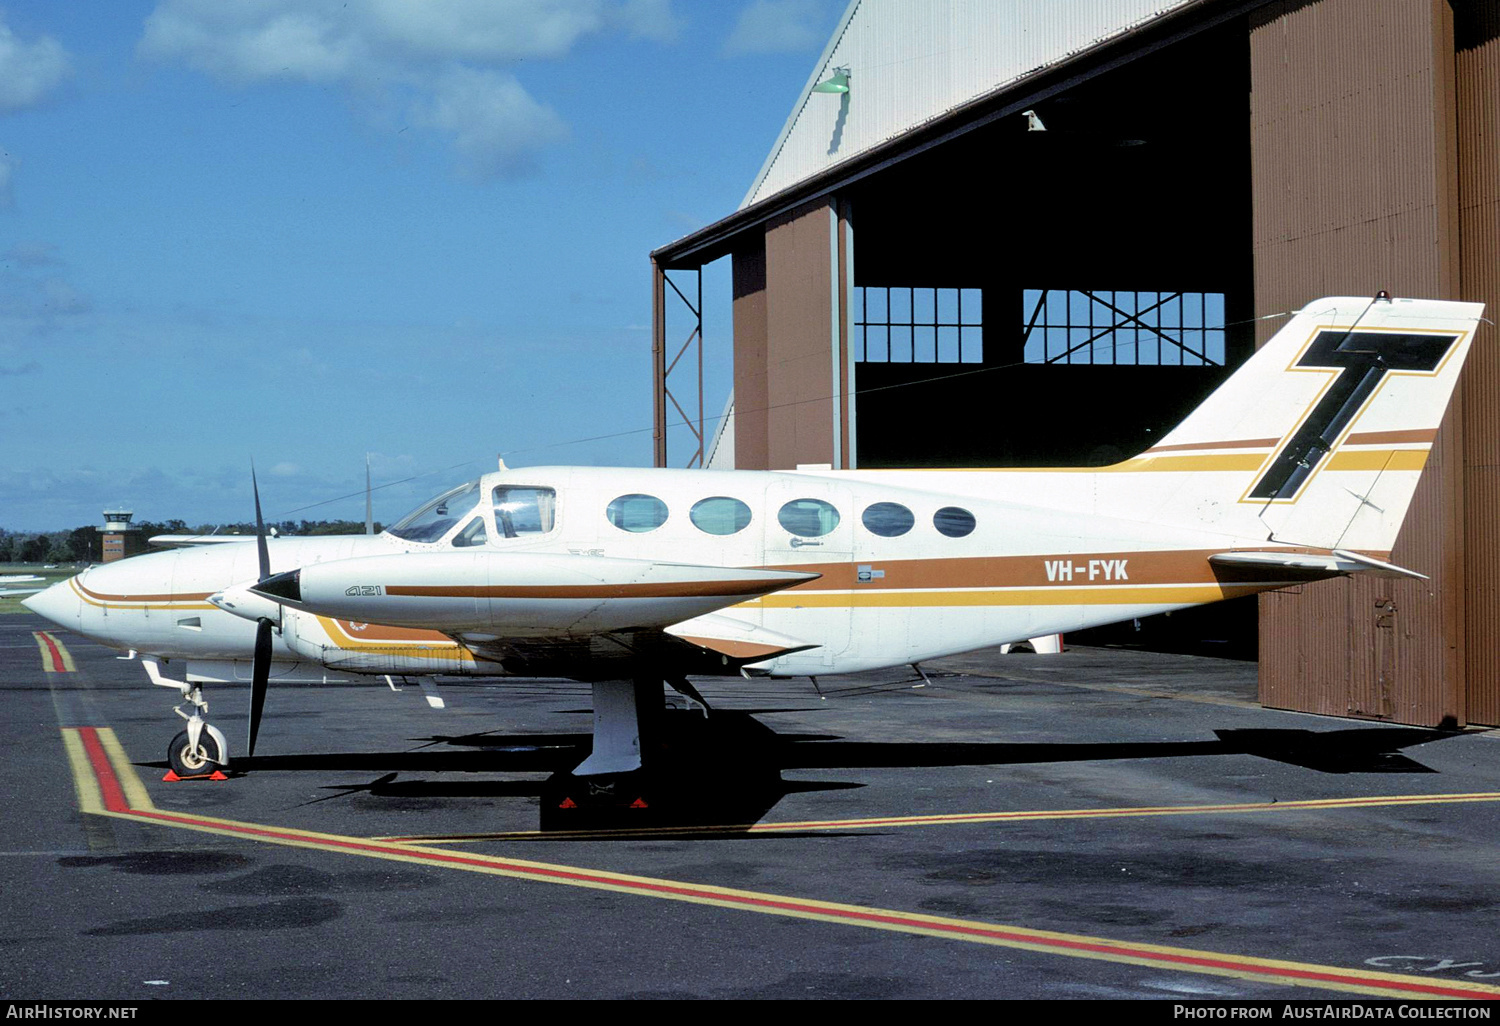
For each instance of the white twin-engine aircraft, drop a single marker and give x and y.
(1299, 467)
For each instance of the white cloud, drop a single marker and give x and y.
(447, 61)
(495, 124)
(777, 26)
(29, 71)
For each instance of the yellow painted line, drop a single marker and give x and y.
(84, 782)
(55, 655)
(961, 818)
(104, 766)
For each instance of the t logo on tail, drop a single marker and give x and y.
(1363, 359)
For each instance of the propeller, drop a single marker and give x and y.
(261, 668)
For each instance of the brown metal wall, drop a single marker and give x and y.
(750, 399)
(799, 331)
(1354, 165)
(1477, 39)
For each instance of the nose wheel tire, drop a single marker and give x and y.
(190, 762)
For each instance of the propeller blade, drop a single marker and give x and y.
(369, 506)
(260, 530)
(259, 675)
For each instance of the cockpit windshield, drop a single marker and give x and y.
(429, 522)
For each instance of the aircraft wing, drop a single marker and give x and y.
(544, 614)
(179, 541)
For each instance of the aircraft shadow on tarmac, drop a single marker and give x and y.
(726, 768)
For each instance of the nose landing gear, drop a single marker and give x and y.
(200, 749)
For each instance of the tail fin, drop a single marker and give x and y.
(1335, 414)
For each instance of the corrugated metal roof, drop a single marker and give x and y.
(911, 62)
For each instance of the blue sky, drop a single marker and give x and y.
(299, 231)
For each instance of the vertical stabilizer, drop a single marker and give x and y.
(1319, 438)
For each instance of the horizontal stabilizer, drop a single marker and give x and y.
(737, 639)
(1338, 561)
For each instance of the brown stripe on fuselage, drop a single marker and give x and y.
(1172, 566)
(135, 599)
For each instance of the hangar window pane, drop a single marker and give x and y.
(808, 518)
(1183, 329)
(918, 324)
(637, 513)
(720, 515)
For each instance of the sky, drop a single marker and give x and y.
(297, 232)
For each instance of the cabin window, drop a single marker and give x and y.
(521, 511)
(808, 518)
(637, 513)
(472, 534)
(720, 515)
(888, 519)
(953, 522)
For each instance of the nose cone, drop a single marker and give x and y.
(59, 603)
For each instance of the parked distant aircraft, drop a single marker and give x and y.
(21, 584)
(1301, 466)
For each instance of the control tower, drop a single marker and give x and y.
(119, 536)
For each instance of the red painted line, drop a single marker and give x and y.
(52, 652)
(109, 784)
(114, 801)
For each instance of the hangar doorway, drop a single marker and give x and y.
(1059, 288)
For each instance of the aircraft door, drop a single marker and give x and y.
(809, 524)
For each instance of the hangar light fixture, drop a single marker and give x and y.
(837, 83)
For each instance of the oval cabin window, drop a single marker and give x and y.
(953, 522)
(637, 513)
(720, 515)
(888, 519)
(808, 518)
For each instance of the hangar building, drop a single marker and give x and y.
(1033, 233)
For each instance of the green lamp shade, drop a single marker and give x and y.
(839, 83)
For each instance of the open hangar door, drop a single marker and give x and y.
(1061, 289)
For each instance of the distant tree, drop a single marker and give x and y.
(34, 549)
(83, 544)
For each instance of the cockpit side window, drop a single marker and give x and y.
(430, 522)
(473, 534)
(522, 511)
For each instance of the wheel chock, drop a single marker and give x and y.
(173, 778)
(568, 803)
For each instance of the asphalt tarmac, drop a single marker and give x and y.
(1099, 824)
